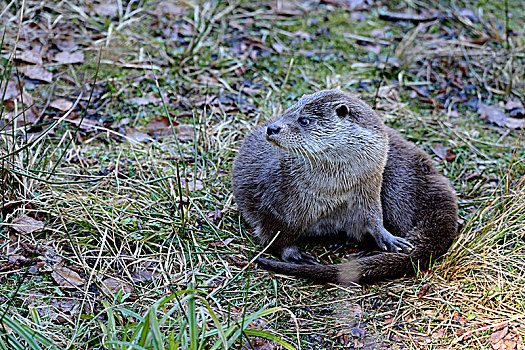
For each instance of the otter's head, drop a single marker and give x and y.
(333, 126)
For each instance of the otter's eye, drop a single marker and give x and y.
(303, 121)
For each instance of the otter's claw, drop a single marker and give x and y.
(390, 243)
(293, 255)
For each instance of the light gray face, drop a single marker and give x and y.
(329, 125)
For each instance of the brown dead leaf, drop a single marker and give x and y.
(142, 101)
(66, 278)
(169, 9)
(27, 98)
(507, 344)
(185, 132)
(160, 125)
(136, 136)
(499, 335)
(29, 116)
(35, 269)
(61, 104)
(37, 73)
(493, 114)
(350, 5)
(357, 332)
(67, 57)
(26, 224)
(215, 215)
(514, 123)
(66, 44)
(513, 104)
(379, 33)
(32, 56)
(142, 276)
(440, 150)
(12, 90)
(113, 286)
(106, 9)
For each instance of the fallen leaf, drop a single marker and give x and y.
(66, 277)
(142, 101)
(27, 98)
(160, 125)
(169, 9)
(513, 104)
(29, 116)
(36, 268)
(493, 114)
(61, 104)
(113, 286)
(32, 56)
(499, 335)
(351, 5)
(26, 224)
(507, 344)
(136, 136)
(357, 332)
(106, 9)
(67, 57)
(379, 33)
(185, 132)
(514, 123)
(37, 73)
(142, 276)
(12, 90)
(439, 150)
(66, 44)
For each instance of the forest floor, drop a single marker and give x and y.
(119, 123)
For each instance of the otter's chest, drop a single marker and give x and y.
(346, 213)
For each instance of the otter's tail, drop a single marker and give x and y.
(362, 270)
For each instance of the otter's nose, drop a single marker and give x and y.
(272, 130)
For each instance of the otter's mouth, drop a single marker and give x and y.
(272, 139)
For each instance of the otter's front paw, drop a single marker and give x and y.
(390, 243)
(293, 255)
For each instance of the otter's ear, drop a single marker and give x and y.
(342, 111)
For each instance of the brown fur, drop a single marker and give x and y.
(344, 171)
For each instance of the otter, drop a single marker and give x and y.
(328, 165)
